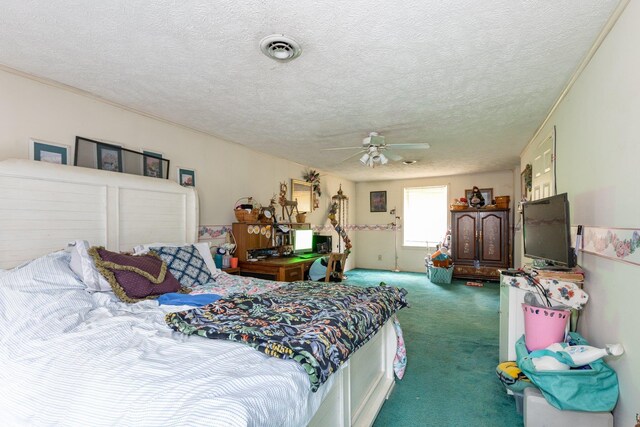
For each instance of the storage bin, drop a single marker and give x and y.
(440, 275)
(519, 397)
(538, 412)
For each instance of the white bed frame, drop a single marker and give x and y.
(44, 206)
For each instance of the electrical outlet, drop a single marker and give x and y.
(379, 257)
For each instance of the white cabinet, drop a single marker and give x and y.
(511, 319)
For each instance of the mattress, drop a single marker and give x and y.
(72, 358)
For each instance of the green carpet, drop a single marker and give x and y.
(451, 335)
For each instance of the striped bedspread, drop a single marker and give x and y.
(70, 358)
(319, 325)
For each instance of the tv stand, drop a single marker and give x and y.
(554, 268)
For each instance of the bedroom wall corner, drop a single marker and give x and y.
(596, 161)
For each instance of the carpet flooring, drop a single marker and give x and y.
(451, 335)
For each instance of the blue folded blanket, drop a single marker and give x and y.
(186, 299)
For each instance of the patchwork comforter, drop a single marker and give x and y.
(319, 325)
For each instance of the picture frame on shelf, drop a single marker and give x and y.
(109, 157)
(487, 194)
(378, 201)
(187, 177)
(49, 152)
(525, 181)
(152, 164)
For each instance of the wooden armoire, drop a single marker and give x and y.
(480, 243)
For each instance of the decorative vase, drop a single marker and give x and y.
(301, 217)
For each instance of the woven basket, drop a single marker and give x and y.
(458, 207)
(242, 215)
(440, 275)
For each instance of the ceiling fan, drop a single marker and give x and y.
(373, 150)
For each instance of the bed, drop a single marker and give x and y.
(70, 357)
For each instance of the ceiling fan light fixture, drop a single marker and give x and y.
(383, 159)
(373, 139)
(364, 159)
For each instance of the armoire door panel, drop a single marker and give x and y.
(492, 241)
(466, 232)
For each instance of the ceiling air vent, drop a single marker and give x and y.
(280, 48)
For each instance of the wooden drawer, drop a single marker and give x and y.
(293, 274)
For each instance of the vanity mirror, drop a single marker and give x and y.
(302, 192)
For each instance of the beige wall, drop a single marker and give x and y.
(225, 171)
(375, 243)
(597, 147)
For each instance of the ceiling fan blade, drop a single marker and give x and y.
(341, 148)
(351, 156)
(393, 156)
(416, 146)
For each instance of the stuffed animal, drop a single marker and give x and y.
(476, 200)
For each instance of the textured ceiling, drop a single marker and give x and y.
(472, 78)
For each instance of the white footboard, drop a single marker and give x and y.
(362, 384)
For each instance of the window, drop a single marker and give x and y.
(425, 215)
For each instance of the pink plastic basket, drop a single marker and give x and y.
(543, 326)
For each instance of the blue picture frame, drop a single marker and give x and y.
(50, 153)
(186, 177)
(109, 157)
(152, 164)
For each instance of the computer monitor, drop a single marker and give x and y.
(302, 241)
(322, 244)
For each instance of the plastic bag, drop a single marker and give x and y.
(593, 389)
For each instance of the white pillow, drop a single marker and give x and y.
(202, 247)
(83, 266)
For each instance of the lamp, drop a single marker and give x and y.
(395, 224)
(364, 159)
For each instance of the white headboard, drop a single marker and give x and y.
(44, 206)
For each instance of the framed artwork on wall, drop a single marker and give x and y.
(152, 164)
(49, 152)
(109, 157)
(187, 177)
(525, 181)
(378, 201)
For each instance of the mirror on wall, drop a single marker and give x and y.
(302, 192)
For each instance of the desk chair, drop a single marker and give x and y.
(333, 268)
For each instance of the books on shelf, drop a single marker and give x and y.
(573, 275)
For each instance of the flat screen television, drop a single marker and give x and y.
(302, 241)
(546, 231)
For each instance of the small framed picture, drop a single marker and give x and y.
(152, 164)
(109, 157)
(187, 177)
(378, 201)
(48, 152)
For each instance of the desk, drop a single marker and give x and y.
(283, 269)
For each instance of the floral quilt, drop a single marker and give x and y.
(226, 284)
(319, 325)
